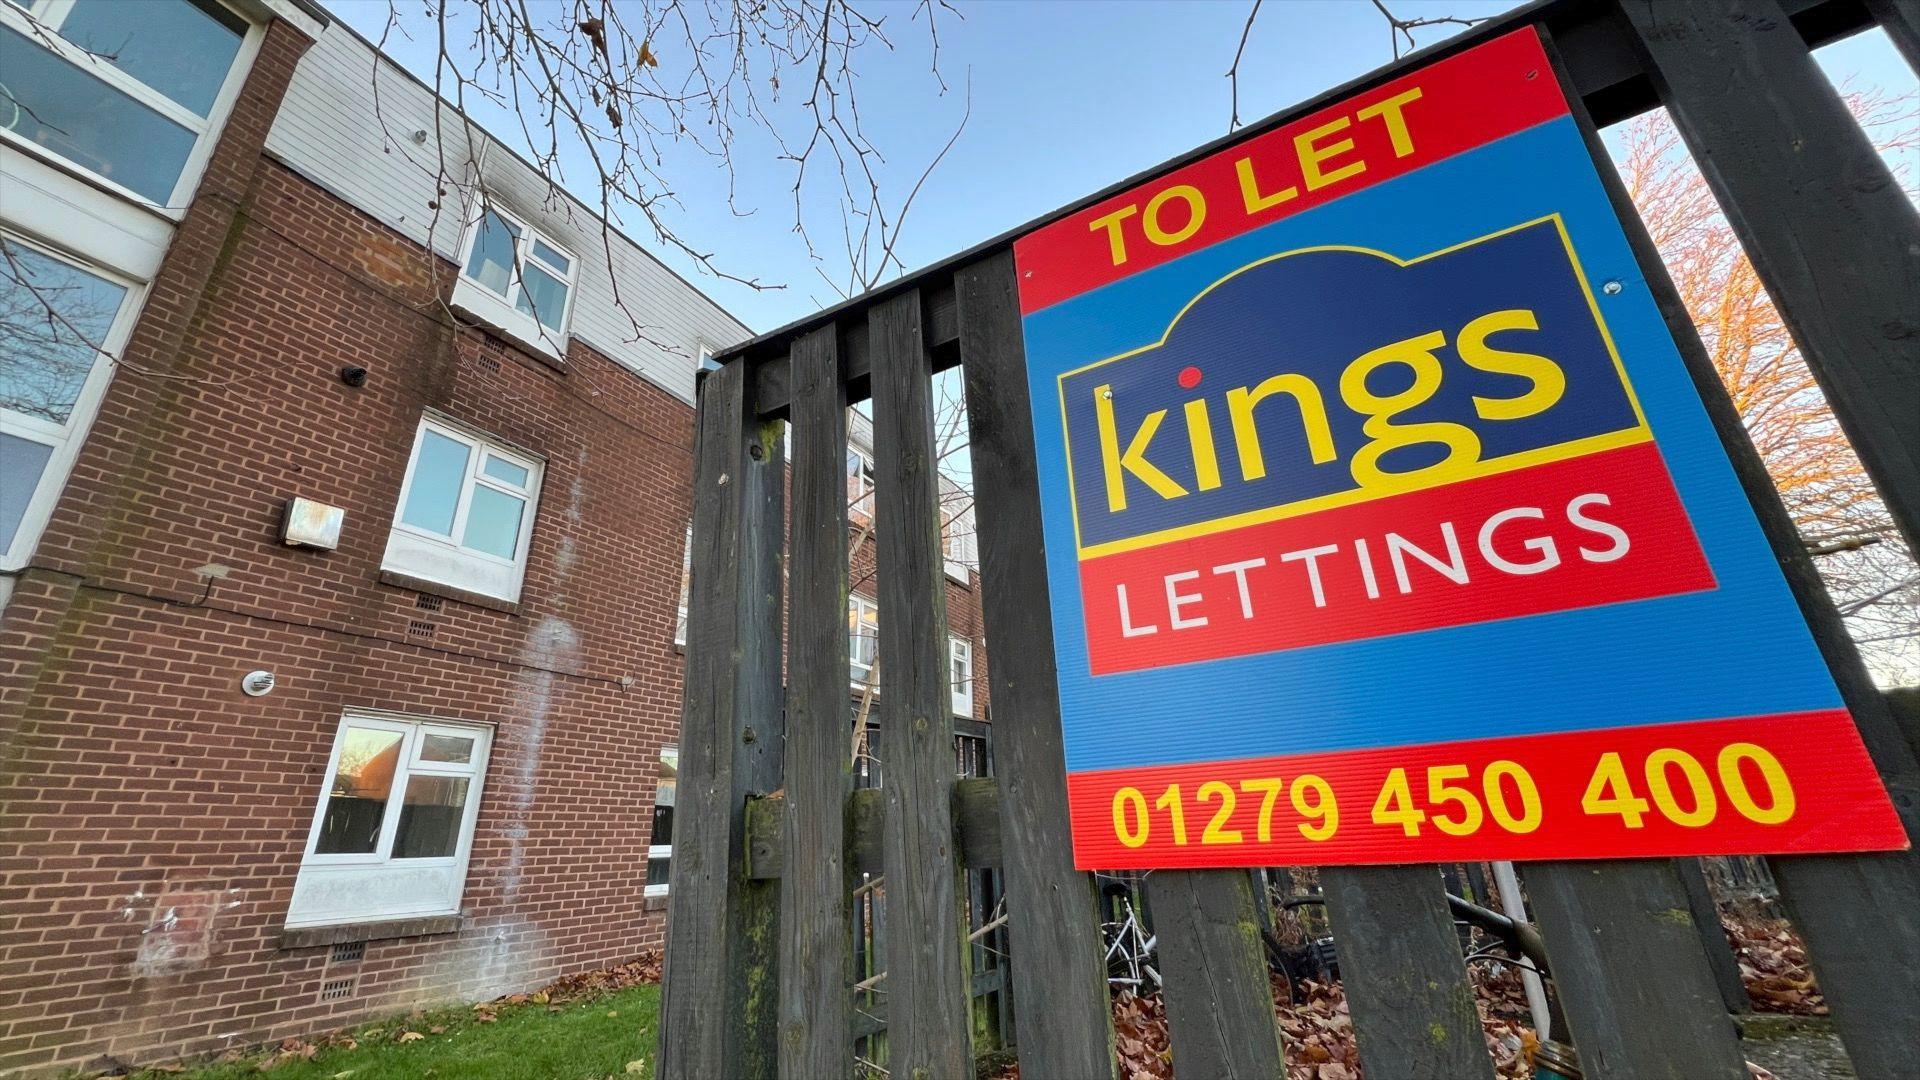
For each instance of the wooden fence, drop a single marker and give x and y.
(774, 838)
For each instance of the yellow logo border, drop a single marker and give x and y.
(1419, 480)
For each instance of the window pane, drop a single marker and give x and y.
(501, 469)
(543, 296)
(21, 461)
(430, 817)
(51, 103)
(437, 478)
(181, 48)
(491, 263)
(551, 257)
(493, 522)
(454, 748)
(53, 319)
(357, 803)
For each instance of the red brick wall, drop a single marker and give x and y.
(136, 778)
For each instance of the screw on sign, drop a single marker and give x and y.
(1380, 535)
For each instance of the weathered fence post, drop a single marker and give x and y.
(1413, 1009)
(718, 1016)
(816, 942)
(1713, 939)
(1219, 1009)
(1631, 975)
(1066, 1031)
(926, 988)
(1842, 260)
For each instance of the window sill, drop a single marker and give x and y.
(433, 588)
(306, 937)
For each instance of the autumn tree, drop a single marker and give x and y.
(1859, 552)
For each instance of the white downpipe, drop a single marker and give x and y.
(1507, 883)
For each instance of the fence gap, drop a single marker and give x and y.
(926, 987)
(1061, 1010)
(816, 942)
(718, 1016)
(1413, 1007)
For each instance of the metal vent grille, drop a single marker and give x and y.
(337, 989)
(427, 603)
(347, 952)
(416, 628)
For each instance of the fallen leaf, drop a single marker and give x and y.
(409, 1036)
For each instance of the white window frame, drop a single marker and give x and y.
(857, 604)
(66, 439)
(960, 651)
(655, 889)
(686, 591)
(413, 732)
(500, 309)
(861, 481)
(40, 25)
(422, 553)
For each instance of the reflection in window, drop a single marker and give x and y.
(863, 640)
(55, 319)
(357, 802)
(180, 48)
(513, 262)
(466, 508)
(54, 104)
(660, 844)
(430, 817)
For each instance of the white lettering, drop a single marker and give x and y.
(1543, 545)
(1239, 572)
(1454, 569)
(1612, 532)
(1308, 555)
(1127, 629)
(1177, 600)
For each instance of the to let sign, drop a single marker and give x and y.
(1385, 523)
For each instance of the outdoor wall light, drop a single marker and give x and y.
(256, 683)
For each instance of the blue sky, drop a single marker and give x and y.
(1068, 96)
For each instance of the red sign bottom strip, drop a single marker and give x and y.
(1775, 784)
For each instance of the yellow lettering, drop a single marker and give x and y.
(1389, 112)
(1461, 443)
(1196, 214)
(1250, 189)
(1246, 434)
(1116, 240)
(1549, 382)
(1312, 155)
(1134, 460)
(1206, 464)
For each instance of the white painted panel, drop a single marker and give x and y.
(329, 131)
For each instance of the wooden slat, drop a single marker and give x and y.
(1713, 940)
(1060, 1000)
(1829, 230)
(1220, 1018)
(718, 1014)
(976, 820)
(1771, 134)
(926, 987)
(1630, 974)
(816, 936)
(1413, 1010)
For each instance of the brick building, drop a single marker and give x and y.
(227, 287)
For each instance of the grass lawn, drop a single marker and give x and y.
(595, 1037)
